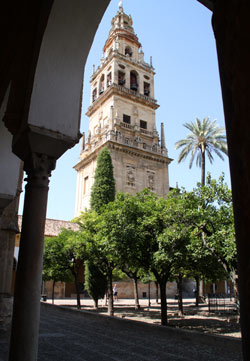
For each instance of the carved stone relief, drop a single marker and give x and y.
(135, 110)
(130, 175)
(151, 180)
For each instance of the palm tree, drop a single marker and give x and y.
(204, 138)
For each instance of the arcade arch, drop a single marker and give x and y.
(38, 145)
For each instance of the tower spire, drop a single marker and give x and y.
(120, 5)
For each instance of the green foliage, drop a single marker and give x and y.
(119, 275)
(211, 250)
(187, 234)
(55, 263)
(101, 244)
(103, 190)
(63, 258)
(95, 281)
(216, 222)
(122, 218)
(99, 233)
(205, 137)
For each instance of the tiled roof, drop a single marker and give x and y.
(53, 226)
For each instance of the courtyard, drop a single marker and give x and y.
(68, 334)
(221, 319)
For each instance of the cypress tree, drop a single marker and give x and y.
(95, 282)
(103, 190)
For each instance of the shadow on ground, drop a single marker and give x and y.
(196, 319)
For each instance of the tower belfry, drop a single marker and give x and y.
(122, 118)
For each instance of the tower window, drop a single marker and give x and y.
(126, 118)
(133, 81)
(85, 185)
(109, 79)
(121, 78)
(146, 89)
(101, 85)
(94, 94)
(128, 51)
(143, 124)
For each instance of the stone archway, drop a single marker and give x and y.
(44, 50)
(21, 64)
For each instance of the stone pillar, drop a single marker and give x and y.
(127, 78)
(115, 73)
(232, 32)
(26, 308)
(83, 142)
(163, 143)
(8, 230)
(111, 117)
(152, 88)
(141, 83)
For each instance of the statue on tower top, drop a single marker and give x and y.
(120, 6)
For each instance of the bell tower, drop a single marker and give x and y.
(122, 118)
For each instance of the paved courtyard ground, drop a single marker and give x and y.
(67, 334)
(220, 321)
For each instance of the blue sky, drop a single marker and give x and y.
(179, 37)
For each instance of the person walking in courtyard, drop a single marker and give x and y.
(115, 292)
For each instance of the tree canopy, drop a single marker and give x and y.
(103, 190)
(63, 258)
(185, 234)
(205, 137)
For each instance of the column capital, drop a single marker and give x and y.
(38, 168)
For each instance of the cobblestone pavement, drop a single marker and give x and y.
(68, 335)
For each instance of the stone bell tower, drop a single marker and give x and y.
(122, 118)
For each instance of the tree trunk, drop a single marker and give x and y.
(96, 303)
(110, 294)
(106, 297)
(202, 288)
(180, 302)
(156, 292)
(197, 294)
(203, 181)
(164, 319)
(203, 174)
(53, 291)
(137, 304)
(234, 279)
(78, 298)
(149, 296)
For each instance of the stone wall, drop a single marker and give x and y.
(126, 289)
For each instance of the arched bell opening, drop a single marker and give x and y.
(134, 80)
(128, 51)
(101, 85)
